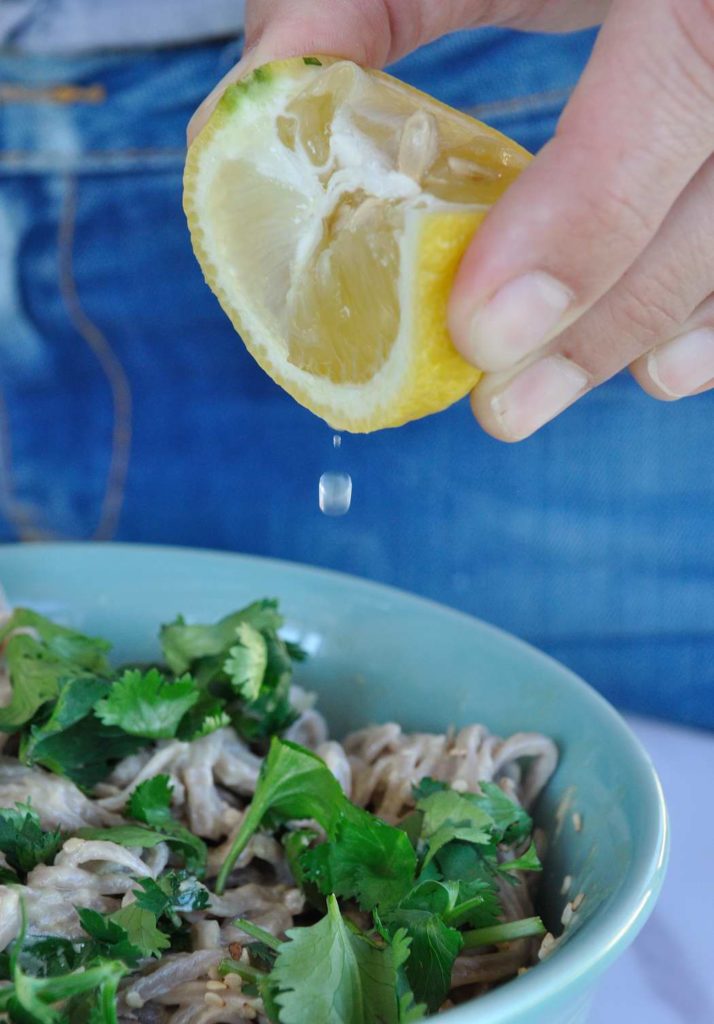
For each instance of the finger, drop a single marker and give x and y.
(649, 305)
(375, 32)
(639, 126)
(683, 365)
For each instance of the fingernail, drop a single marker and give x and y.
(684, 364)
(537, 394)
(517, 320)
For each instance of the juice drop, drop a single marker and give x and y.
(335, 493)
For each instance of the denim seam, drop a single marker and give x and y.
(116, 376)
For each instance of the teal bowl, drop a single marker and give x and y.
(378, 654)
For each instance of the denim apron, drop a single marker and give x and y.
(130, 410)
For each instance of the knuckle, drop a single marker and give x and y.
(650, 312)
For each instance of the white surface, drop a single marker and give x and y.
(667, 976)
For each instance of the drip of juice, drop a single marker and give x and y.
(335, 493)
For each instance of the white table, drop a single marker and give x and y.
(667, 976)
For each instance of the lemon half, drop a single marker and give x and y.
(329, 207)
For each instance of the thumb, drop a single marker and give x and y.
(360, 30)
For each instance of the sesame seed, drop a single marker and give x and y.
(578, 901)
(133, 1000)
(215, 986)
(577, 821)
(567, 882)
(213, 999)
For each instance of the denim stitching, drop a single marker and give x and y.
(113, 370)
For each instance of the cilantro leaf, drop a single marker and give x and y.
(364, 858)
(271, 712)
(449, 816)
(293, 783)
(141, 931)
(30, 999)
(150, 803)
(434, 944)
(84, 753)
(247, 661)
(175, 892)
(147, 704)
(206, 716)
(329, 972)
(133, 836)
(110, 939)
(509, 931)
(528, 861)
(183, 644)
(36, 662)
(72, 741)
(24, 842)
(511, 822)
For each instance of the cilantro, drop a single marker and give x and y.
(150, 803)
(449, 816)
(247, 661)
(312, 61)
(24, 842)
(526, 862)
(184, 644)
(434, 943)
(206, 716)
(330, 972)
(110, 938)
(293, 783)
(38, 660)
(125, 835)
(365, 859)
(506, 932)
(72, 741)
(242, 666)
(140, 928)
(31, 999)
(147, 704)
(173, 893)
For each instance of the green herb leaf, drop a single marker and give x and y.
(140, 927)
(329, 972)
(434, 944)
(506, 932)
(36, 662)
(72, 741)
(247, 662)
(364, 859)
(150, 803)
(312, 61)
(526, 862)
(175, 892)
(207, 715)
(184, 644)
(294, 783)
(147, 704)
(133, 836)
(24, 842)
(511, 822)
(110, 938)
(448, 816)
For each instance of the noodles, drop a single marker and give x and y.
(211, 781)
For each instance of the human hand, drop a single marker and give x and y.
(601, 255)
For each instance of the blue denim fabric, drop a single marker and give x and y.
(131, 410)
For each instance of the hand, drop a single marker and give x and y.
(601, 255)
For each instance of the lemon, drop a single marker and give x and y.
(329, 207)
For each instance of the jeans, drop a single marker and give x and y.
(131, 410)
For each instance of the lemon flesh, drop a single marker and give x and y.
(329, 207)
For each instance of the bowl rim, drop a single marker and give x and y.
(600, 941)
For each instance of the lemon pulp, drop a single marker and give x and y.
(329, 207)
